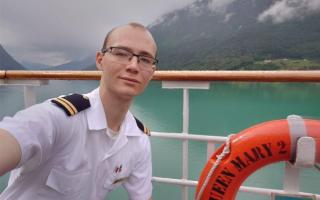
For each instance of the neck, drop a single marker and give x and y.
(115, 108)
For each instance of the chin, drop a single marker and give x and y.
(129, 93)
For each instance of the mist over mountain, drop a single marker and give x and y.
(91, 67)
(81, 64)
(35, 66)
(232, 37)
(7, 62)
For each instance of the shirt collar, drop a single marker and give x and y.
(97, 119)
(95, 114)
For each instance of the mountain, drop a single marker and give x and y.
(7, 62)
(80, 64)
(91, 67)
(198, 37)
(227, 35)
(35, 66)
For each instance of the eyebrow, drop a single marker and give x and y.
(143, 53)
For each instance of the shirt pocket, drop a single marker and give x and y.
(115, 181)
(66, 182)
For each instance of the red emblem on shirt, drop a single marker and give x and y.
(118, 169)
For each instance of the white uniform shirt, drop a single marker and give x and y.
(71, 157)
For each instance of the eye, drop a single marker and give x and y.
(121, 53)
(146, 60)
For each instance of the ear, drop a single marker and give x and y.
(99, 57)
(152, 73)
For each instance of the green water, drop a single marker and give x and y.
(278, 197)
(223, 109)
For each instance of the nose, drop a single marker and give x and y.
(137, 58)
(133, 64)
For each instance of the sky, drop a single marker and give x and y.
(54, 32)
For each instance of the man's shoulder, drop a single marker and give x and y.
(72, 104)
(142, 127)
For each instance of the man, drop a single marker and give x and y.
(83, 146)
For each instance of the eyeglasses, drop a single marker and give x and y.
(124, 56)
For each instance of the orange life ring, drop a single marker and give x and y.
(252, 149)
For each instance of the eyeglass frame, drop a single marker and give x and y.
(109, 50)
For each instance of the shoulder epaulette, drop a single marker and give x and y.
(142, 127)
(72, 104)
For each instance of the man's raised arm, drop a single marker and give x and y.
(10, 152)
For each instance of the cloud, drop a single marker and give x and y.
(215, 6)
(220, 5)
(284, 10)
(227, 17)
(55, 32)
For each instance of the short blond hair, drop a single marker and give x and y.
(132, 24)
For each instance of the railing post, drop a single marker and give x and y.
(291, 178)
(185, 142)
(28, 89)
(29, 95)
(211, 147)
(185, 85)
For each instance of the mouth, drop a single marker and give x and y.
(130, 80)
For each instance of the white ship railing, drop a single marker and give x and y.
(291, 179)
(184, 80)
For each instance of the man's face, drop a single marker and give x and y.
(130, 79)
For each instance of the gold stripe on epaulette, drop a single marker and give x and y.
(65, 105)
(69, 104)
(85, 97)
(146, 131)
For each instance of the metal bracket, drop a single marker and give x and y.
(306, 152)
(305, 157)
